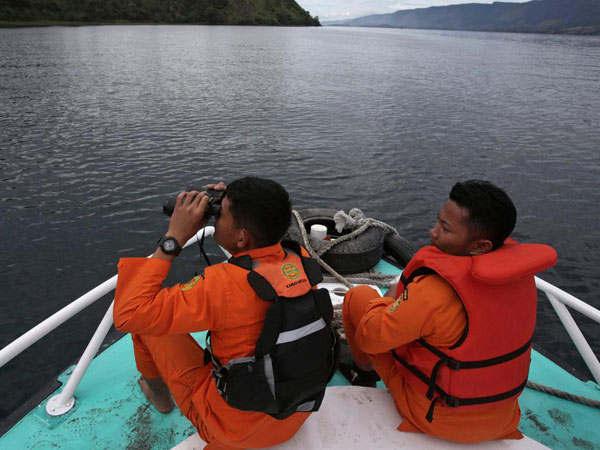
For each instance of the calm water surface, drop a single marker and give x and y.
(99, 124)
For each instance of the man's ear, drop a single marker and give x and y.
(244, 239)
(481, 246)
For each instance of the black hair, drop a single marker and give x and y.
(492, 214)
(262, 206)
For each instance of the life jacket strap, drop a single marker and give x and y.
(450, 400)
(416, 273)
(455, 364)
(429, 415)
(433, 378)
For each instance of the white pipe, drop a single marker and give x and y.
(65, 400)
(39, 331)
(576, 336)
(88, 355)
(42, 329)
(568, 299)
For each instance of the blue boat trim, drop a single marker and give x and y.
(111, 408)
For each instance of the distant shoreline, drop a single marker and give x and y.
(581, 31)
(578, 31)
(57, 23)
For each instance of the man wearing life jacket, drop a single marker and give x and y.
(228, 300)
(452, 340)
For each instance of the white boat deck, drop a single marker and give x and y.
(360, 418)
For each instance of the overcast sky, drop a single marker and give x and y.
(349, 9)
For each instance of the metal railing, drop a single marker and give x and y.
(559, 300)
(63, 402)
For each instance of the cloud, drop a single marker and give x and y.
(349, 9)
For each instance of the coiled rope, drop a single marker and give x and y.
(357, 219)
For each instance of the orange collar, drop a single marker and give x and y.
(270, 253)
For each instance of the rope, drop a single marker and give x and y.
(382, 279)
(356, 278)
(564, 395)
(367, 278)
(355, 218)
(314, 255)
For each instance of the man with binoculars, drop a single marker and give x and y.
(232, 393)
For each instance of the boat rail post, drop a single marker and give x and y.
(64, 402)
(576, 335)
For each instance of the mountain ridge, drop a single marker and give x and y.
(537, 16)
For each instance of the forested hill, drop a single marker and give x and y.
(214, 12)
(538, 16)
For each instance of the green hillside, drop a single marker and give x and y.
(213, 12)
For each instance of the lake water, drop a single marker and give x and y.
(99, 124)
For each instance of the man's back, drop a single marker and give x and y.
(443, 321)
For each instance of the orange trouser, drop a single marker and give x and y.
(179, 361)
(497, 422)
(355, 305)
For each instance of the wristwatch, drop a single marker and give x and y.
(169, 245)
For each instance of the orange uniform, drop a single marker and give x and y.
(375, 325)
(221, 301)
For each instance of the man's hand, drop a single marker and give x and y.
(220, 186)
(391, 292)
(188, 216)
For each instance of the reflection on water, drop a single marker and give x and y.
(99, 124)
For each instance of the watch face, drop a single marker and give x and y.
(169, 245)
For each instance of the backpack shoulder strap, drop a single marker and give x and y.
(245, 262)
(261, 286)
(259, 283)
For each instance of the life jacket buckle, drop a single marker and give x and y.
(453, 402)
(452, 363)
(219, 373)
(220, 381)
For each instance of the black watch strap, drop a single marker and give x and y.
(169, 245)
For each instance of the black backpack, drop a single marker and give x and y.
(295, 356)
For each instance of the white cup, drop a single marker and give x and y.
(318, 231)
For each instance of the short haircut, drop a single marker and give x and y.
(261, 206)
(492, 214)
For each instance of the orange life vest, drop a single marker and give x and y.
(490, 362)
(288, 277)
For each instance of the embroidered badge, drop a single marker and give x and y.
(394, 306)
(290, 271)
(187, 286)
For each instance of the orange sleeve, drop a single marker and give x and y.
(142, 307)
(430, 302)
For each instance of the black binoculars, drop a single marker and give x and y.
(214, 202)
